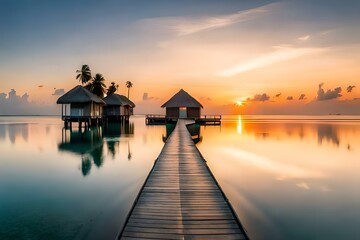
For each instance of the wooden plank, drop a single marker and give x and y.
(188, 226)
(216, 237)
(181, 198)
(182, 231)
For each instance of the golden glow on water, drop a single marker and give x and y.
(277, 172)
(239, 125)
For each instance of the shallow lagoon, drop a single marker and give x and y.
(287, 177)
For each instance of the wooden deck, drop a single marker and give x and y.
(209, 120)
(181, 199)
(152, 119)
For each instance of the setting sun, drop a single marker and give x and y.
(239, 103)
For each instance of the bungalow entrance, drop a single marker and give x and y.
(182, 112)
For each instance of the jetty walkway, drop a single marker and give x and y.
(181, 198)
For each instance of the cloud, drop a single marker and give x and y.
(343, 107)
(147, 98)
(303, 185)
(304, 38)
(13, 104)
(349, 88)
(279, 55)
(278, 95)
(326, 32)
(206, 98)
(302, 97)
(260, 97)
(290, 98)
(3, 97)
(329, 94)
(58, 92)
(183, 26)
(17, 99)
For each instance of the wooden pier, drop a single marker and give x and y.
(181, 198)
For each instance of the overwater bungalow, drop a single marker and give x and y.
(118, 107)
(182, 105)
(82, 106)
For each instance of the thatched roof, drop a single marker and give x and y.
(131, 103)
(182, 99)
(79, 94)
(116, 99)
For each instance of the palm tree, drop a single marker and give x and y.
(98, 86)
(88, 86)
(112, 88)
(129, 85)
(84, 75)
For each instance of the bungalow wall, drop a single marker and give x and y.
(172, 112)
(112, 110)
(190, 112)
(85, 109)
(80, 109)
(97, 110)
(118, 110)
(123, 110)
(193, 112)
(128, 110)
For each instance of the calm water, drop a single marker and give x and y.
(287, 177)
(60, 185)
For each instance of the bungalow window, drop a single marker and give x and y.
(77, 112)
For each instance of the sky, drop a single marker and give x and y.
(234, 56)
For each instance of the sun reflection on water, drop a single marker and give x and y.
(286, 167)
(239, 125)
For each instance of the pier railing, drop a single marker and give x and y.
(155, 119)
(212, 117)
(155, 116)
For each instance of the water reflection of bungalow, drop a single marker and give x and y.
(182, 105)
(82, 106)
(115, 129)
(118, 107)
(81, 142)
(88, 144)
